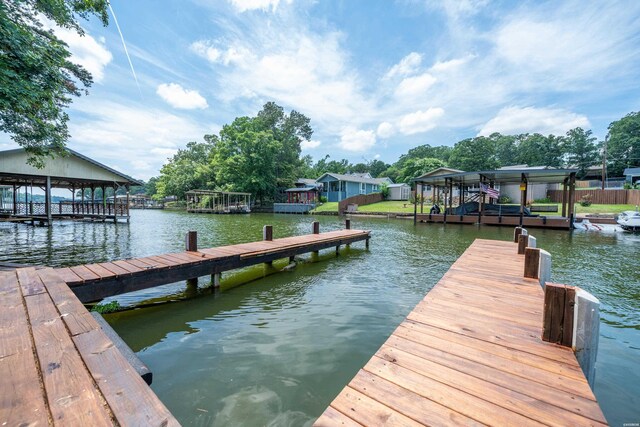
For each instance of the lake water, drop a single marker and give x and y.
(277, 350)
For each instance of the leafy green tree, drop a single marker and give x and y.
(506, 149)
(426, 151)
(582, 150)
(538, 150)
(289, 130)
(190, 168)
(246, 158)
(415, 167)
(623, 145)
(376, 167)
(474, 154)
(37, 78)
(360, 168)
(391, 172)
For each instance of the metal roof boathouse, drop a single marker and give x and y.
(74, 172)
(475, 196)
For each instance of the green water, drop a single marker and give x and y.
(277, 350)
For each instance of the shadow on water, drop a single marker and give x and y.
(278, 350)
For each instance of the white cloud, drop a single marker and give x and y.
(357, 140)
(415, 86)
(85, 50)
(447, 66)
(118, 134)
(309, 145)
(178, 97)
(407, 65)
(515, 120)
(385, 130)
(420, 121)
(264, 5)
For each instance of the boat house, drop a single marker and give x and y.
(337, 187)
(472, 198)
(219, 202)
(75, 172)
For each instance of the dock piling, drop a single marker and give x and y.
(517, 232)
(523, 240)
(532, 263)
(558, 313)
(191, 245)
(347, 224)
(586, 330)
(544, 272)
(316, 227)
(267, 232)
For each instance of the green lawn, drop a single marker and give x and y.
(593, 209)
(393, 206)
(327, 207)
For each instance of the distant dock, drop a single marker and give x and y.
(472, 351)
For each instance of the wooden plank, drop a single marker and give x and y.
(69, 276)
(84, 273)
(127, 266)
(334, 418)
(114, 268)
(369, 412)
(29, 281)
(130, 399)
(71, 393)
(72, 312)
(22, 400)
(100, 271)
(141, 263)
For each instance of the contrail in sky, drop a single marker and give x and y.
(125, 48)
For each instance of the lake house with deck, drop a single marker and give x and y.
(337, 187)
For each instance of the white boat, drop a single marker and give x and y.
(585, 224)
(629, 220)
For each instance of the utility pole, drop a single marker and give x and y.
(604, 162)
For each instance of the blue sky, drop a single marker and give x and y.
(375, 77)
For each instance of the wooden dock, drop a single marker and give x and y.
(471, 353)
(94, 282)
(57, 365)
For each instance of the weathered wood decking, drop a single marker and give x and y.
(57, 366)
(96, 281)
(471, 353)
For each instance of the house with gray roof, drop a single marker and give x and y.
(337, 187)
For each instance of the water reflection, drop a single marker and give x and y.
(283, 346)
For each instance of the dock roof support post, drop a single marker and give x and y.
(421, 198)
(15, 199)
(523, 196)
(564, 197)
(445, 201)
(127, 205)
(572, 190)
(47, 201)
(415, 205)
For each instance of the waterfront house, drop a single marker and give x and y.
(632, 175)
(337, 187)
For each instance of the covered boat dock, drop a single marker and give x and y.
(75, 172)
(220, 202)
(475, 197)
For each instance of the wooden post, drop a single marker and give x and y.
(366, 244)
(558, 314)
(415, 205)
(347, 224)
(215, 279)
(316, 227)
(267, 232)
(127, 205)
(47, 201)
(523, 196)
(564, 198)
(15, 199)
(421, 198)
(93, 199)
(191, 241)
(445, 202)
(523, 239)
(517, 232)
(104, 200)
(337, 250)
(586, 331)
(572, 189)
(531, 263)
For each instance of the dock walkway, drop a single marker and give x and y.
(94, 282)
(58, 367)
(470, 353)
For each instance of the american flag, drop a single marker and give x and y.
(491, 192)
